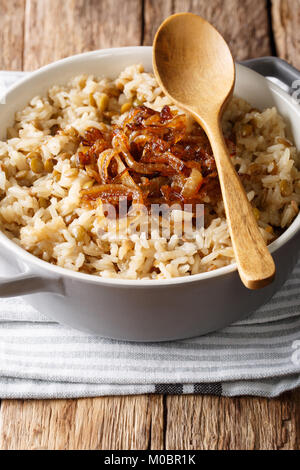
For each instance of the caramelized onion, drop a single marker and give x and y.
(111, 193)
(150, 158)
(127, 180)
(120, 144)
(92, 173)
(166, 158)
(104, 160)
(192, 184)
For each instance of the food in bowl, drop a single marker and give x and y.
(93, 141)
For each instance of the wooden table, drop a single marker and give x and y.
(35, 32)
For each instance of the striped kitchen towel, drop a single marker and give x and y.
(258, 356)
(42, 359)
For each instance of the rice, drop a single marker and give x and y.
(43, 211)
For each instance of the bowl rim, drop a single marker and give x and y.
(30, 259)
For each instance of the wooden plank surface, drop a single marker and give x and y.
(101, 423)
(35, 32)
(152, 422)
(83, 25)
(232, 424)
(286, 27)
(244, 24)
(11, 34)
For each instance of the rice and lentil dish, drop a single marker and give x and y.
(95, 141)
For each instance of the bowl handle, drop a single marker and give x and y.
(27, 283)
(277, 68)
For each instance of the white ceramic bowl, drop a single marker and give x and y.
(140, 310)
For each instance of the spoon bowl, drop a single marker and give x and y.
(194, 67)
(188, 68)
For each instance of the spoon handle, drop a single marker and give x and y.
(254, 262)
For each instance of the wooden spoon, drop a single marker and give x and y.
(195, 68)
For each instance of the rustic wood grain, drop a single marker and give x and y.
(114, 423)
(11, 34)
(244, 24)
(286, 21)
(213, 423)
(183, 423)
(56, 29)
